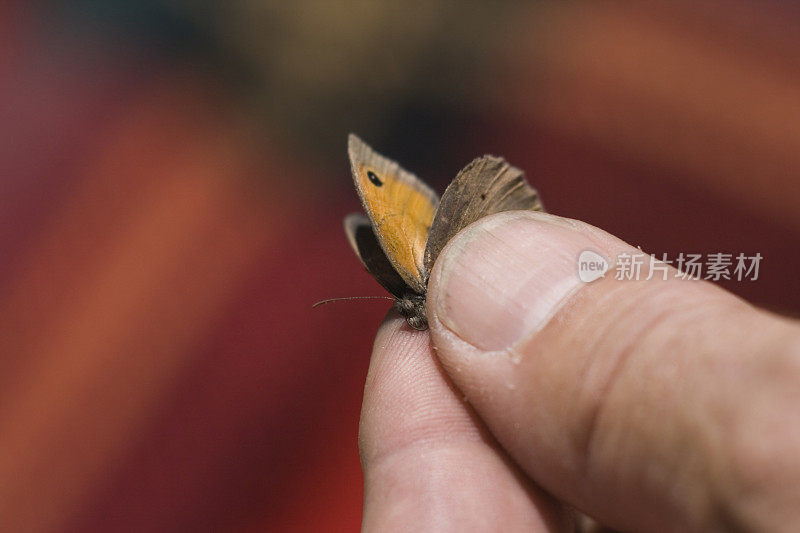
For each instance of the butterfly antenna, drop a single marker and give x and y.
(329, 300)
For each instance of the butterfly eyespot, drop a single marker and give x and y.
(374, 178)
(483, 197)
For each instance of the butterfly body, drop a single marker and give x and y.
(406, 226)
(412, 307)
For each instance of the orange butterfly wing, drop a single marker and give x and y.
(399, 205)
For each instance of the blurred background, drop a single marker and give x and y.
(173, 176)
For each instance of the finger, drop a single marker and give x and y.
(650, 405)
(428, 464)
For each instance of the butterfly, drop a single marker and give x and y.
(406, 225)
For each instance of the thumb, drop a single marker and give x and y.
(649, 405)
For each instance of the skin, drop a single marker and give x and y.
(647, 405)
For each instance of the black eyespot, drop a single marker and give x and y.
(483, 197)
(374, 178)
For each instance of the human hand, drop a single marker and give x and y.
(648, 405)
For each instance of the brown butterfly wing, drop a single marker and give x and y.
(359, 232)
(486, 186)
(399, 205)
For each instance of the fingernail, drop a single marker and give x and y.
(504, 277)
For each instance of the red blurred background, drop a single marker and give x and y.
(173, 178)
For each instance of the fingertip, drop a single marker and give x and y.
(407, 396)
(428, 461)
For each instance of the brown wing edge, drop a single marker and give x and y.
(358, 150)
(486, 186)
(358, 229)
